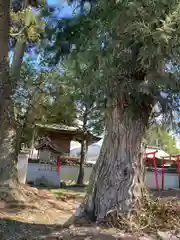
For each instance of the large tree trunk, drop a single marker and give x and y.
(8, 170)
(117, 179)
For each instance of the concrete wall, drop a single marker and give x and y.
(22, 166)
(171, 180)
(38, 173)
(69, 174)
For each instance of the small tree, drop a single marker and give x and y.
(90, 113)
(30, 99)
(40, 98)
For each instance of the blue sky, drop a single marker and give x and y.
(53, 2)
(66, 10)
(63, 10)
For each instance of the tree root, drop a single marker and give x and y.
(12, 192)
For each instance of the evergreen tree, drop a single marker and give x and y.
(134, 47)
(89, 111)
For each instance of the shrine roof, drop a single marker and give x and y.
(46, 142)
(75, 131)
(159, 154)
(58, 127)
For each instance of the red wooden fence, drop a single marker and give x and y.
(169, 159)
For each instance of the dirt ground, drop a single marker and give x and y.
(44, 213)
(47, 211)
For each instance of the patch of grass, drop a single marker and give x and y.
(7, 221)
(2, 222)
(72, 193)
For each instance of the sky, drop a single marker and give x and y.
(53, 2)
(66, 11)
(74, 144)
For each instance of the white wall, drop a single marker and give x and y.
(22, 166)
(69, 174)
(36, 171)
(171, 180)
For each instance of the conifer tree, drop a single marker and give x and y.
(134, 48)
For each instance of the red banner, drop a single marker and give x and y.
(58, 166)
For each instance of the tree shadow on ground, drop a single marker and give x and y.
(166, 194)
(82, 229)
(15, 230)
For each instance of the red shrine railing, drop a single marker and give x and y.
(64, 157)
(164, 159)
(154, 159)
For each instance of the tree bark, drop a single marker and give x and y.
(117, 180)
(84, 148)
(9, 187)
(19, 51)
(8, 171)
(80, 179)
(19, 48)
(17, 61)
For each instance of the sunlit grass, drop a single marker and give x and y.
(69, 192)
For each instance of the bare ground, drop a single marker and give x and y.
(43, 217)
(45, 212)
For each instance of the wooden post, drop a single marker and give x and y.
(162, 174)
(155, 168)
(32, 143)
(155, 172)
(178, 163)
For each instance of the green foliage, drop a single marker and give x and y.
(62, 108)
(37, 100)
(157, 135)
(29, 100)
(132, 47)
(122, 50)
(26, 24)
(89, 107)
(63, 33)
